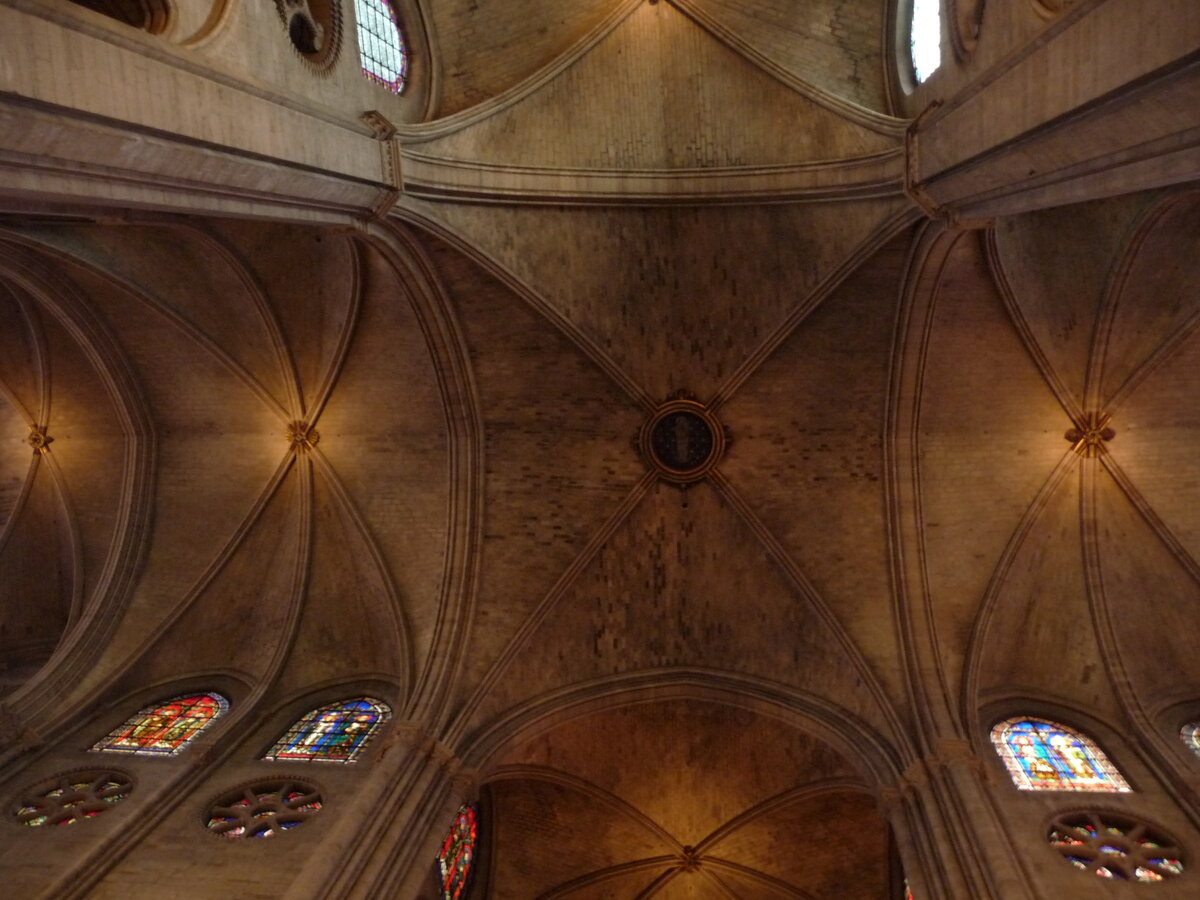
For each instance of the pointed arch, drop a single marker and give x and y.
(337, 733)
(166, 728)
(1041, 755)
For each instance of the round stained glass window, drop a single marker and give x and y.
(72, 798)
(264, 810)
(1116, 847)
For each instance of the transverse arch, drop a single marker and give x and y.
(1041, 755)
(338, 732)
(165, 728)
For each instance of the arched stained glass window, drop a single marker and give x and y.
(165, 728)
(381, 49)
(335, 733)
(1045, 756)
(458, 854)
(925, 37)
(1191, 736)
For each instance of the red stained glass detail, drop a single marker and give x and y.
(458, 854)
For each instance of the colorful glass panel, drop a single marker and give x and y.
(1115, 847)
(381, 49)
(73, 798)
(925, 38)
(335, 733)
(458, 854)
(1045, 756)
(264, 810)
(167, 728)
(1191, 736)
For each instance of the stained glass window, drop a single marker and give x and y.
(1114, 847)
(72, 798)
(264, 810)
(925, 37)
(458, 853)
(335, 733)
(165, 728)
(381, 47)
(1191, 736)
(1045, 756)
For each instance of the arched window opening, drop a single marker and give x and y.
(456, 859)
(148, 15)
(1044, 756)
(381, 48)
(1191, 736)
(166, 728)
(335, 733)
(925, 38)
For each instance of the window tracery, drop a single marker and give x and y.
(1044, 756)
(381, 48)
(72, 798)
(167, 728)
(1115, 847)
(458, 854)
(264, 810)
(338, 732)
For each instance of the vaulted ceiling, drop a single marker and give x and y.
(404, 455)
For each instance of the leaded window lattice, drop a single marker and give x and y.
(72, 798)
(264, 810)
(338, 732)
(1044, 756)
(381, 48)
(1115, 847)
(166, 728)
(458, 854)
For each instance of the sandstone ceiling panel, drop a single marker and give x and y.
(1057, 263)
(1156, 289)
(548, 834)
(350, 623)
(57, 529)
(22, 372)
(312, 279)
(835, 45)
(674, 296)
(384, 435)
(89, 450)
(740, 884)
(1150, 596)
(557, 450)
(40, 576)
(712, 765)
(16, 460)
(1038, 639)
(175, 265)
(218, 445)
(624, 884)
(683, 583)
(485, 47)
(661, 93)
(239, 618)
(990, 434)
(1156, 438)
(807, 450)
(831, 845)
